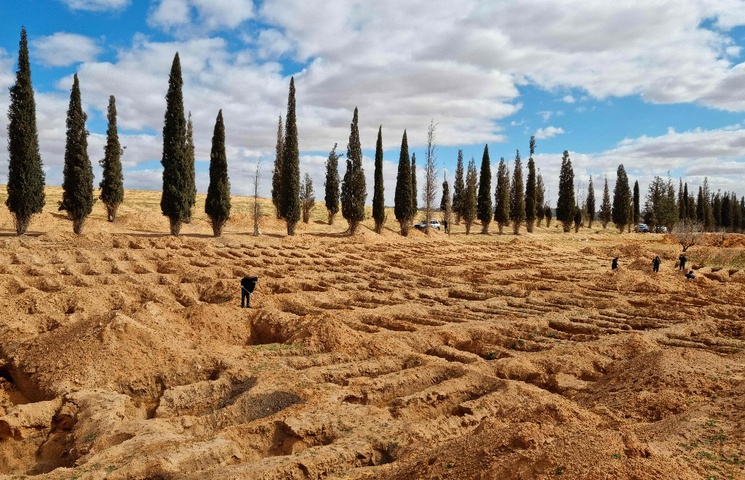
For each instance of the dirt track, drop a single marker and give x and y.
(124, 353)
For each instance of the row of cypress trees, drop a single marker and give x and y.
(26, 178)
(515, 203)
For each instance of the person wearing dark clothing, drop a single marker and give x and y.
(690, 274)
(682, 262)
(614, 264)
(656, 263)
(446, 226)
(247, 287)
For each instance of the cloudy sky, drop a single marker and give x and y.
(655, 85)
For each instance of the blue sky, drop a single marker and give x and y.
(658, 86)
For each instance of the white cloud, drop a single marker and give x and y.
(548, 132)
(402, 64)
(188, 16)
(96, 5)
(63, 49)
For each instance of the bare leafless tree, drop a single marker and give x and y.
(257, 206)
(430, 179)
(688, 234)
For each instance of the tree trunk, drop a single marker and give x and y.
(111, 212)
(78, 224)
(353, 227)
(21, 224)
(331, 217)
(404, 228)
(291, 228)
(529, 226)
(175, 226)
(485, 228)
(217, 227)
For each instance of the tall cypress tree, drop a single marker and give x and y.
(565, 203)
(459, 185)
(502, 196)
(517, 198)
(446, 203)
(590, 203)
(470, 197)
(483, 202)
(540, 198)
(307, 197)
(291, 166)
(622, 204)
(217, 205)
(175, 201)
(331, 185)
(402, 206)
(378, 188)
(277, 174)
(112, 183)
(637, 201)
(190, 163)
(77, 183)
(682, 203)
(25, 170)
(353, 189)
(414, 192)
(605, 207)
(530, 186)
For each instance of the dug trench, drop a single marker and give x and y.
(128, 356)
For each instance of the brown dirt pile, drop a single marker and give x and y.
(124, 353)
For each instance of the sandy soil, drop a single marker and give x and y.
(124, 352)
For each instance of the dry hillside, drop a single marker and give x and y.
(124, 353)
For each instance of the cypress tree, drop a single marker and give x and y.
(217, 205)
(25, 170)
(565, 203)
(414, 191)
(190, 161)
(483, 202)
(112, 183)
(445, 199)
(605, 207)
(291, 166)
(446, 203)
(622, 204)
(277, 174)
(517, 196)
(331, 185)
(307, 197)
(77, 183)
(175, 200)
(590, 203)
(682, 202)
(540, 195)
(402, 206)
(378, 210)
(637, 200)
(470, 199)
(548, 214)
(530, 186)
(459, 185)
(502, 196)
(577, 218)
(353, 189)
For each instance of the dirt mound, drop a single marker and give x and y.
(125, 353)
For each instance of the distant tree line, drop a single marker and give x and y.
(515, 201)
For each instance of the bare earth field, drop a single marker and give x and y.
(124, 352)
